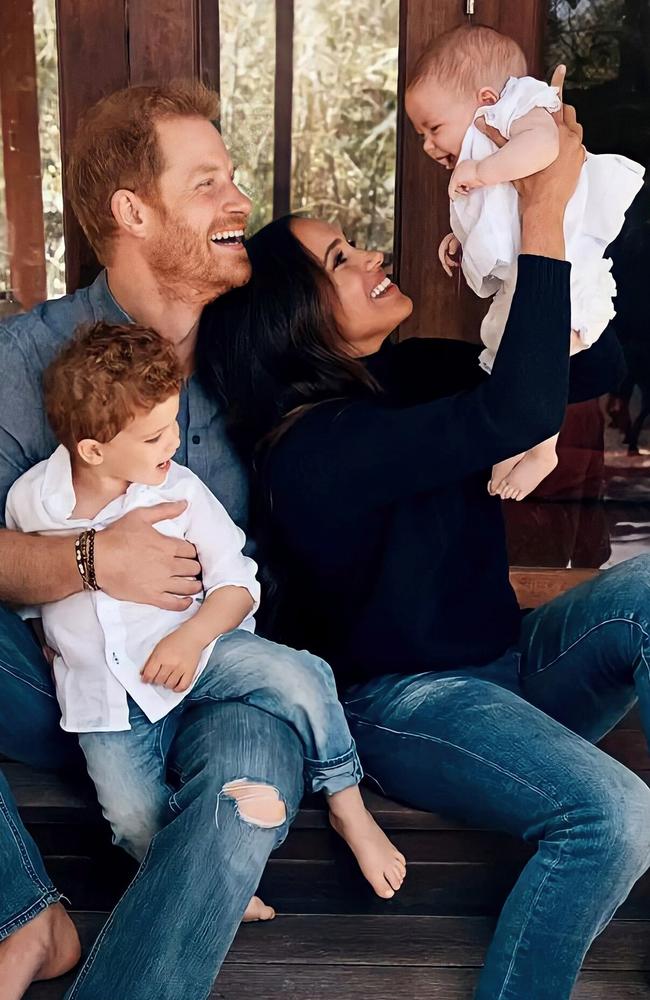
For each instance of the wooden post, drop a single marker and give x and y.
(444, 306)
(22, 153)
(283, 107)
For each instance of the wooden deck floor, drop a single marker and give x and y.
(333, 938)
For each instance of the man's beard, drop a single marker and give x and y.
(187, 269)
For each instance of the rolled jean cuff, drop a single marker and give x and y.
(331, 776)
(18, 920)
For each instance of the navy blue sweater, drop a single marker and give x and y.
(392, 552)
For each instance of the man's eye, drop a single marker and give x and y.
(206, 183)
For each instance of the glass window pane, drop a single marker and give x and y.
(49, 132)
(247, 50)
(595, 509)
(345, 87)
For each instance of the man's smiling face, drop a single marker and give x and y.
(195, 248)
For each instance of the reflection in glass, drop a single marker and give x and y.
(595, 508)
(344, 104)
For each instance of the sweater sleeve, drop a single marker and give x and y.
(367, 453)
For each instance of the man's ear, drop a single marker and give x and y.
(487, 95)
(90, 451)
(129, 212)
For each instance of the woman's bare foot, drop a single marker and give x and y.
(379, 860)
(257, 910)
(46, 947)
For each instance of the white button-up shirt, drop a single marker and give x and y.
(102, 644)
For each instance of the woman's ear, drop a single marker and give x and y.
(487, 95)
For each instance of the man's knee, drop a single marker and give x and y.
(256, 803)
(621, 822)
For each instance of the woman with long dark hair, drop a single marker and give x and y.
(371, 468)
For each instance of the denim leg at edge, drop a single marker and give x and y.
(173, 927)
(470, 748)
(129, 771)
(294, 686)
(29, 732)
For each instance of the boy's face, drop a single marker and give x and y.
(142, 451)
(441, 116)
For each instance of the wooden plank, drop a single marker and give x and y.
(22, 154)
(283, 108)
(162, 44)
(92, 47)
(263, 982)
(536, 586)
(208, 43)
(443, 306)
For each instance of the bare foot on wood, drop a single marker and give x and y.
(257, 910)
(379, 860)
(46, 947)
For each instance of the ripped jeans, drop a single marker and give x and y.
(129, 768)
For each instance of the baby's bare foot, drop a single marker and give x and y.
(379, 860)
(500, 472)
(257, 910)
(534, 467)
(46, 947)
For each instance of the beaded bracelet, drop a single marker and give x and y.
(84, 550)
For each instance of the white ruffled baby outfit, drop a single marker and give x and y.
(486, 222)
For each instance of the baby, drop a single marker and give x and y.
(471, 73)
(125, 672)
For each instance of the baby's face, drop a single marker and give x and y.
(142, 451)
(441, 116)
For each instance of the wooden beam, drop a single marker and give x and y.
(92, 47)
(283, 107)
(22, 153)
(163, 43)
(209, 59)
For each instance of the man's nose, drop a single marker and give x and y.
(238, 203)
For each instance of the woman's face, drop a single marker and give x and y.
(367, 306)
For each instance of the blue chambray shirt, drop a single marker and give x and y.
(29, 342)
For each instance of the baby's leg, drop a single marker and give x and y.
(300, 689)
(528, 471)
(500, 473)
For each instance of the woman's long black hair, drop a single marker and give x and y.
(271, 348)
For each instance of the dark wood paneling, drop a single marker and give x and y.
(283, 108)
(209, 54)
(22, 153)
(163, 40)
(93, 62)
(443, 306)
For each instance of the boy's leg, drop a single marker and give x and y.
(36, 935)
(294, 686)
(201, 870)
(299, 688)
(469, 748)
(129, 773)
(585, 657)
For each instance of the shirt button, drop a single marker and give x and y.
(196, 439)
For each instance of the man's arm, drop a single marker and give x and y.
(133, 562)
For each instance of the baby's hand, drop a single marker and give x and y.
(173, 662)
(464, 179)
(450, 253)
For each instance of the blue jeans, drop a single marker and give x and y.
(192, 908)
(129, 768)
(508, 746)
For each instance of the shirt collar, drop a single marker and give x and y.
(57, 492)
(103, 305)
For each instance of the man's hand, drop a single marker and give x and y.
(134, 562)
(465, 178)
(173, 662)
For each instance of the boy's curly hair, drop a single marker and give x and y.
(103, 376)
